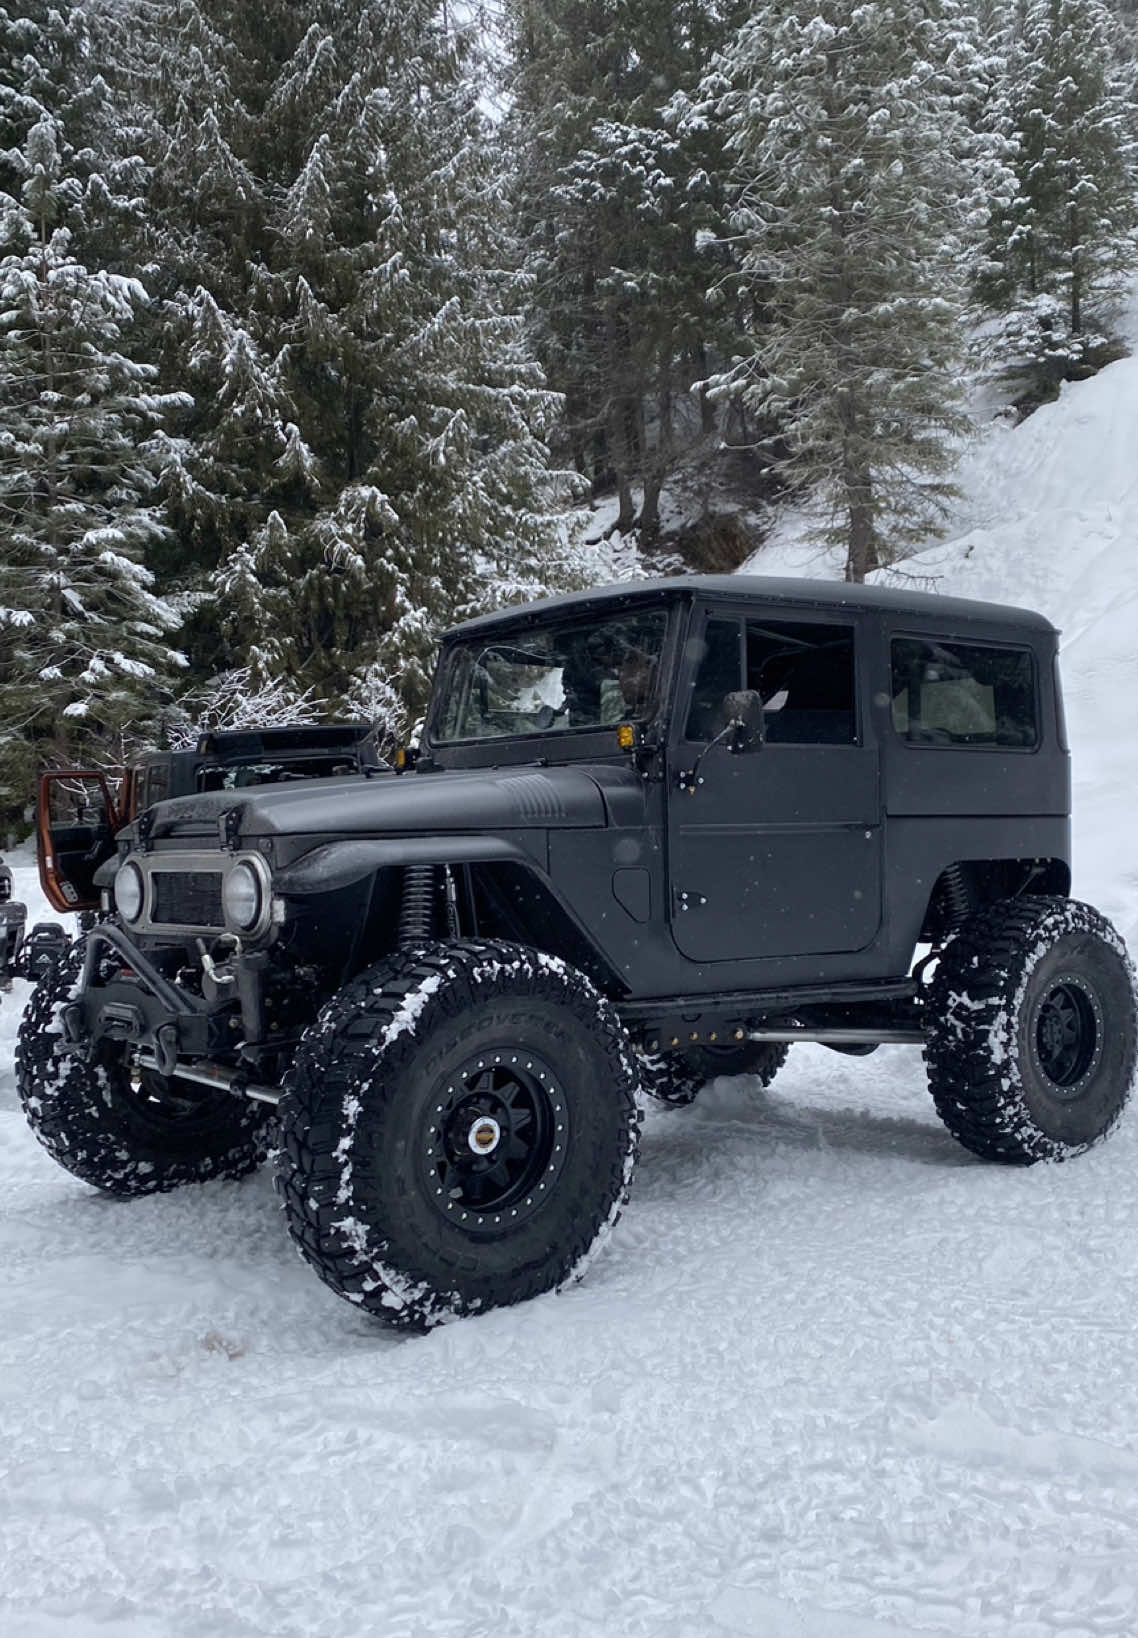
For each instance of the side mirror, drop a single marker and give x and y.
(746, 723)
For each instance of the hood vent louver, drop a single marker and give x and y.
(533, 796)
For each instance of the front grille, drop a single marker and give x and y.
(187, 898)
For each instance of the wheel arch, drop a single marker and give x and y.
(515, 901)
(968, 885)
(503, 894)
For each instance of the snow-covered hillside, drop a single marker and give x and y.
(832, 1379)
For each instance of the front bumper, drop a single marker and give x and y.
(139, 1004)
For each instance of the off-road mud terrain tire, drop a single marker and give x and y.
(126, 1133)
(404, 1073)
(1033, 1031)
(678, 1077)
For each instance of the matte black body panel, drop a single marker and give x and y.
(918, 849)
(790, 866)
(551, 798)
(974, 781)
(341, 864)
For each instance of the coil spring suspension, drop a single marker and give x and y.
(417, 912)
(958, 898)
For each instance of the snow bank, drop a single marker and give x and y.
(837, 1380)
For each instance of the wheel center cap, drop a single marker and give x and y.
(484, 1136)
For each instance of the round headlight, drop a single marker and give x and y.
(130, 892)
(241, 897)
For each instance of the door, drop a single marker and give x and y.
(75, 832)
(774, 850)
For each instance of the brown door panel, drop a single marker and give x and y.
(76, 822)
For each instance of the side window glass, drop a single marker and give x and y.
(805, 675)
(963, 694)
(719, 674)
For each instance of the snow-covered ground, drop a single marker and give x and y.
(832, 1378)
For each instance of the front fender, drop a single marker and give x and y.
(342, 864)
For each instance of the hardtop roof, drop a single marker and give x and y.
(768, 589)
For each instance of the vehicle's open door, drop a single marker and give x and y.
(75, 833)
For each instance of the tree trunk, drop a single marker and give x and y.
(621, 453)
(626, 516)
(862, 555)
(656, 469)
(650, 507)
(706, 407)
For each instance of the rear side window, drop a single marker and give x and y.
(964, 694)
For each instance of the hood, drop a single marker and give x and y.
(453, 800)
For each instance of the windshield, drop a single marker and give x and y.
(551, 679)
(240, 775)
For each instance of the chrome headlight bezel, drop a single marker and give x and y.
(246, 890)
(131, 912)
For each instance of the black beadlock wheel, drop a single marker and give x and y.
(458, 1131)
(677, 1077)
(1033, 1031)
(121, 1130)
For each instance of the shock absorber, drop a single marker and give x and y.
(417, 912)
(957, 896)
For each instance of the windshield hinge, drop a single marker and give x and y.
(228, 827)
(143, 829)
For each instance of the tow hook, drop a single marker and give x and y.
(226, 948)
(166, 1048)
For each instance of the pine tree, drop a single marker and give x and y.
(617, 206)
(412, 484)
(359, 455)
(45, 52)
(84, 643)
(849, 206)
(238, 451)
(184, 82)
(1059, 248)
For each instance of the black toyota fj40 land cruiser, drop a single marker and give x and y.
(653, 833)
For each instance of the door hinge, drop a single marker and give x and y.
(229, 828)
(686, 899)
